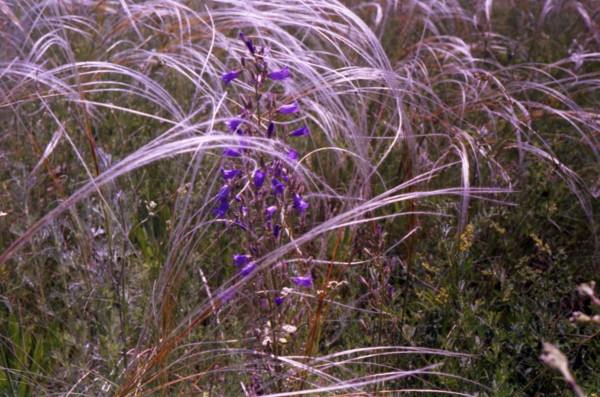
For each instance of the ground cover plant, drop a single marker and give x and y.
(300, 197)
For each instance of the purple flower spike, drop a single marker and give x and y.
(270, 211)
(241, 259)
(279, 300)
(270, 129)
(233, 124)
(249, 268)
(230, 152)
(248, 42)
(259, 178)
(229, 174)
(292, 155)
(278, 187)
(280, 74)
(302, 131)
(303, 281)
(230, 76)
(289, 109)
(299, 204)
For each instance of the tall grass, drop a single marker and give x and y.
(116, 274)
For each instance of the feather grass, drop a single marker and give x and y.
(430, 113)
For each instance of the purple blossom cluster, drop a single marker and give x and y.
(260, 194)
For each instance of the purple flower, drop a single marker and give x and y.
(276, 170)
(299, 204)
(289, 109)
(229, 174)
(279, 300)
(249, 268)
(277, 186)
(241, 259)
(270, 211)
(224, 193)
(303, 281)
(292, 155)
(302, 131)
(223, 197)
(270, 129)
(248, 42)
(276, 230)
(259, 178)
(233, 124)
(244, 211)
(230, 76)
(231, 152)
(222, 209)
(280, 74)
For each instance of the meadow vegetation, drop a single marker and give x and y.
(299, 197)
